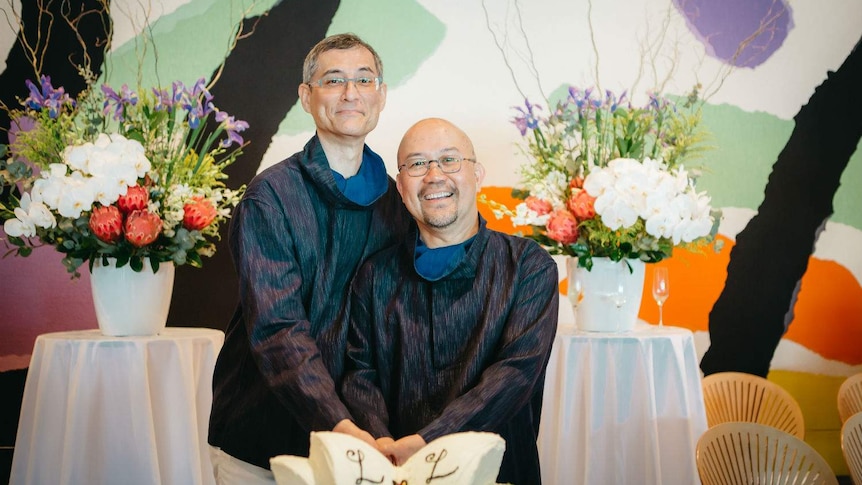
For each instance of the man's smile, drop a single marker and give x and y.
(437, 195)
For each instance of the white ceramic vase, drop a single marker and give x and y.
(130, 303)
(608, 297)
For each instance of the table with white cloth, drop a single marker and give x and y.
(106, 410)
(622, 408)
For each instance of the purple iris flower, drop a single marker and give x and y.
(656, 102)
(165, 101)
(126, 97)
(527, 119)
(178, 90)
(197, 112)
(198, 103)
(621, 99)
(200, 88)
(46, 97)
(232, 127)
(612, 101)
(577, 97)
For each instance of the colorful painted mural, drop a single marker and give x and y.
(759, 63)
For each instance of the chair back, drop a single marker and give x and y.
(851, 445)
(742, 453)
(850, 397)
(737, 396)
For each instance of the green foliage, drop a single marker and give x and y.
(589, 133)
(85, 148)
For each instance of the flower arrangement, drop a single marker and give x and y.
(130, 175)
(606, 179)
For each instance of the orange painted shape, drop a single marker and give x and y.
(828, 313)
(696, 281)
(827, 316)
(501, 195)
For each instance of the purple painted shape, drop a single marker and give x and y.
(743, 33)
(37, 296)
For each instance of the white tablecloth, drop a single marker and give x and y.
(117, 410)
(622, 408)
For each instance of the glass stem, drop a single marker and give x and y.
(660, 319)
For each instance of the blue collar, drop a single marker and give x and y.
(433, 264)
(369, 183)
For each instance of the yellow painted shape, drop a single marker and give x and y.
(817, 395)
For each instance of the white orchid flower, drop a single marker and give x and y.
(524, 216)
(78, 157)
(41, 215)
(76, 197)
(28, 216)
(21, 226)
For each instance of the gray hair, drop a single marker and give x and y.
(337, 41)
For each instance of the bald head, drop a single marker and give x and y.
(425, 130)
(441, 194)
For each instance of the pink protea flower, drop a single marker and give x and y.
(198, 214)
(582, 205)
(576, 183)
(107, 223)
(562, 226)
(142, 227)
(136, 198)
(539, 206)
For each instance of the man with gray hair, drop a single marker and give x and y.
(297, 237)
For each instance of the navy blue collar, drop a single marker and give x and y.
(433, 264)
(369, 183)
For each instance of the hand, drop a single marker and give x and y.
(383, 444)
(404, 448)
(347, 426)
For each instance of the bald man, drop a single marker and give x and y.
(452, 329)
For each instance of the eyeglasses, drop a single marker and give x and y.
(362, 83)
(419, 167)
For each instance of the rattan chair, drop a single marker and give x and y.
(850, 397)
(851, 446)
(737, 396)
(742, 453)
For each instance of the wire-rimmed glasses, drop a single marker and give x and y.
(419, 166)
(362, 83)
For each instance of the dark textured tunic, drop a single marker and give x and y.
(466, 352)
(296, 242)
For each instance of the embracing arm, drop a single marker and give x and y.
(278, 328)
(361, 386)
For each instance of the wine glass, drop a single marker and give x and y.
(660, 290)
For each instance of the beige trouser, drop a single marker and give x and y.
(232, 471)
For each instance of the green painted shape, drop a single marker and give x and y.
(848, 199)
(747, 146)
(744, 146)
(186, 44)
(402, 32)
(557, 95)
(192, 42)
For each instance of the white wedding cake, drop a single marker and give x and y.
(469, 458)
